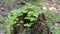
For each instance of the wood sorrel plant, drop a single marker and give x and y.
(29, 13)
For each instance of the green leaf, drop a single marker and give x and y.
(30, 13)
(28, 25)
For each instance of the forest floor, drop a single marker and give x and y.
(8, 5)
